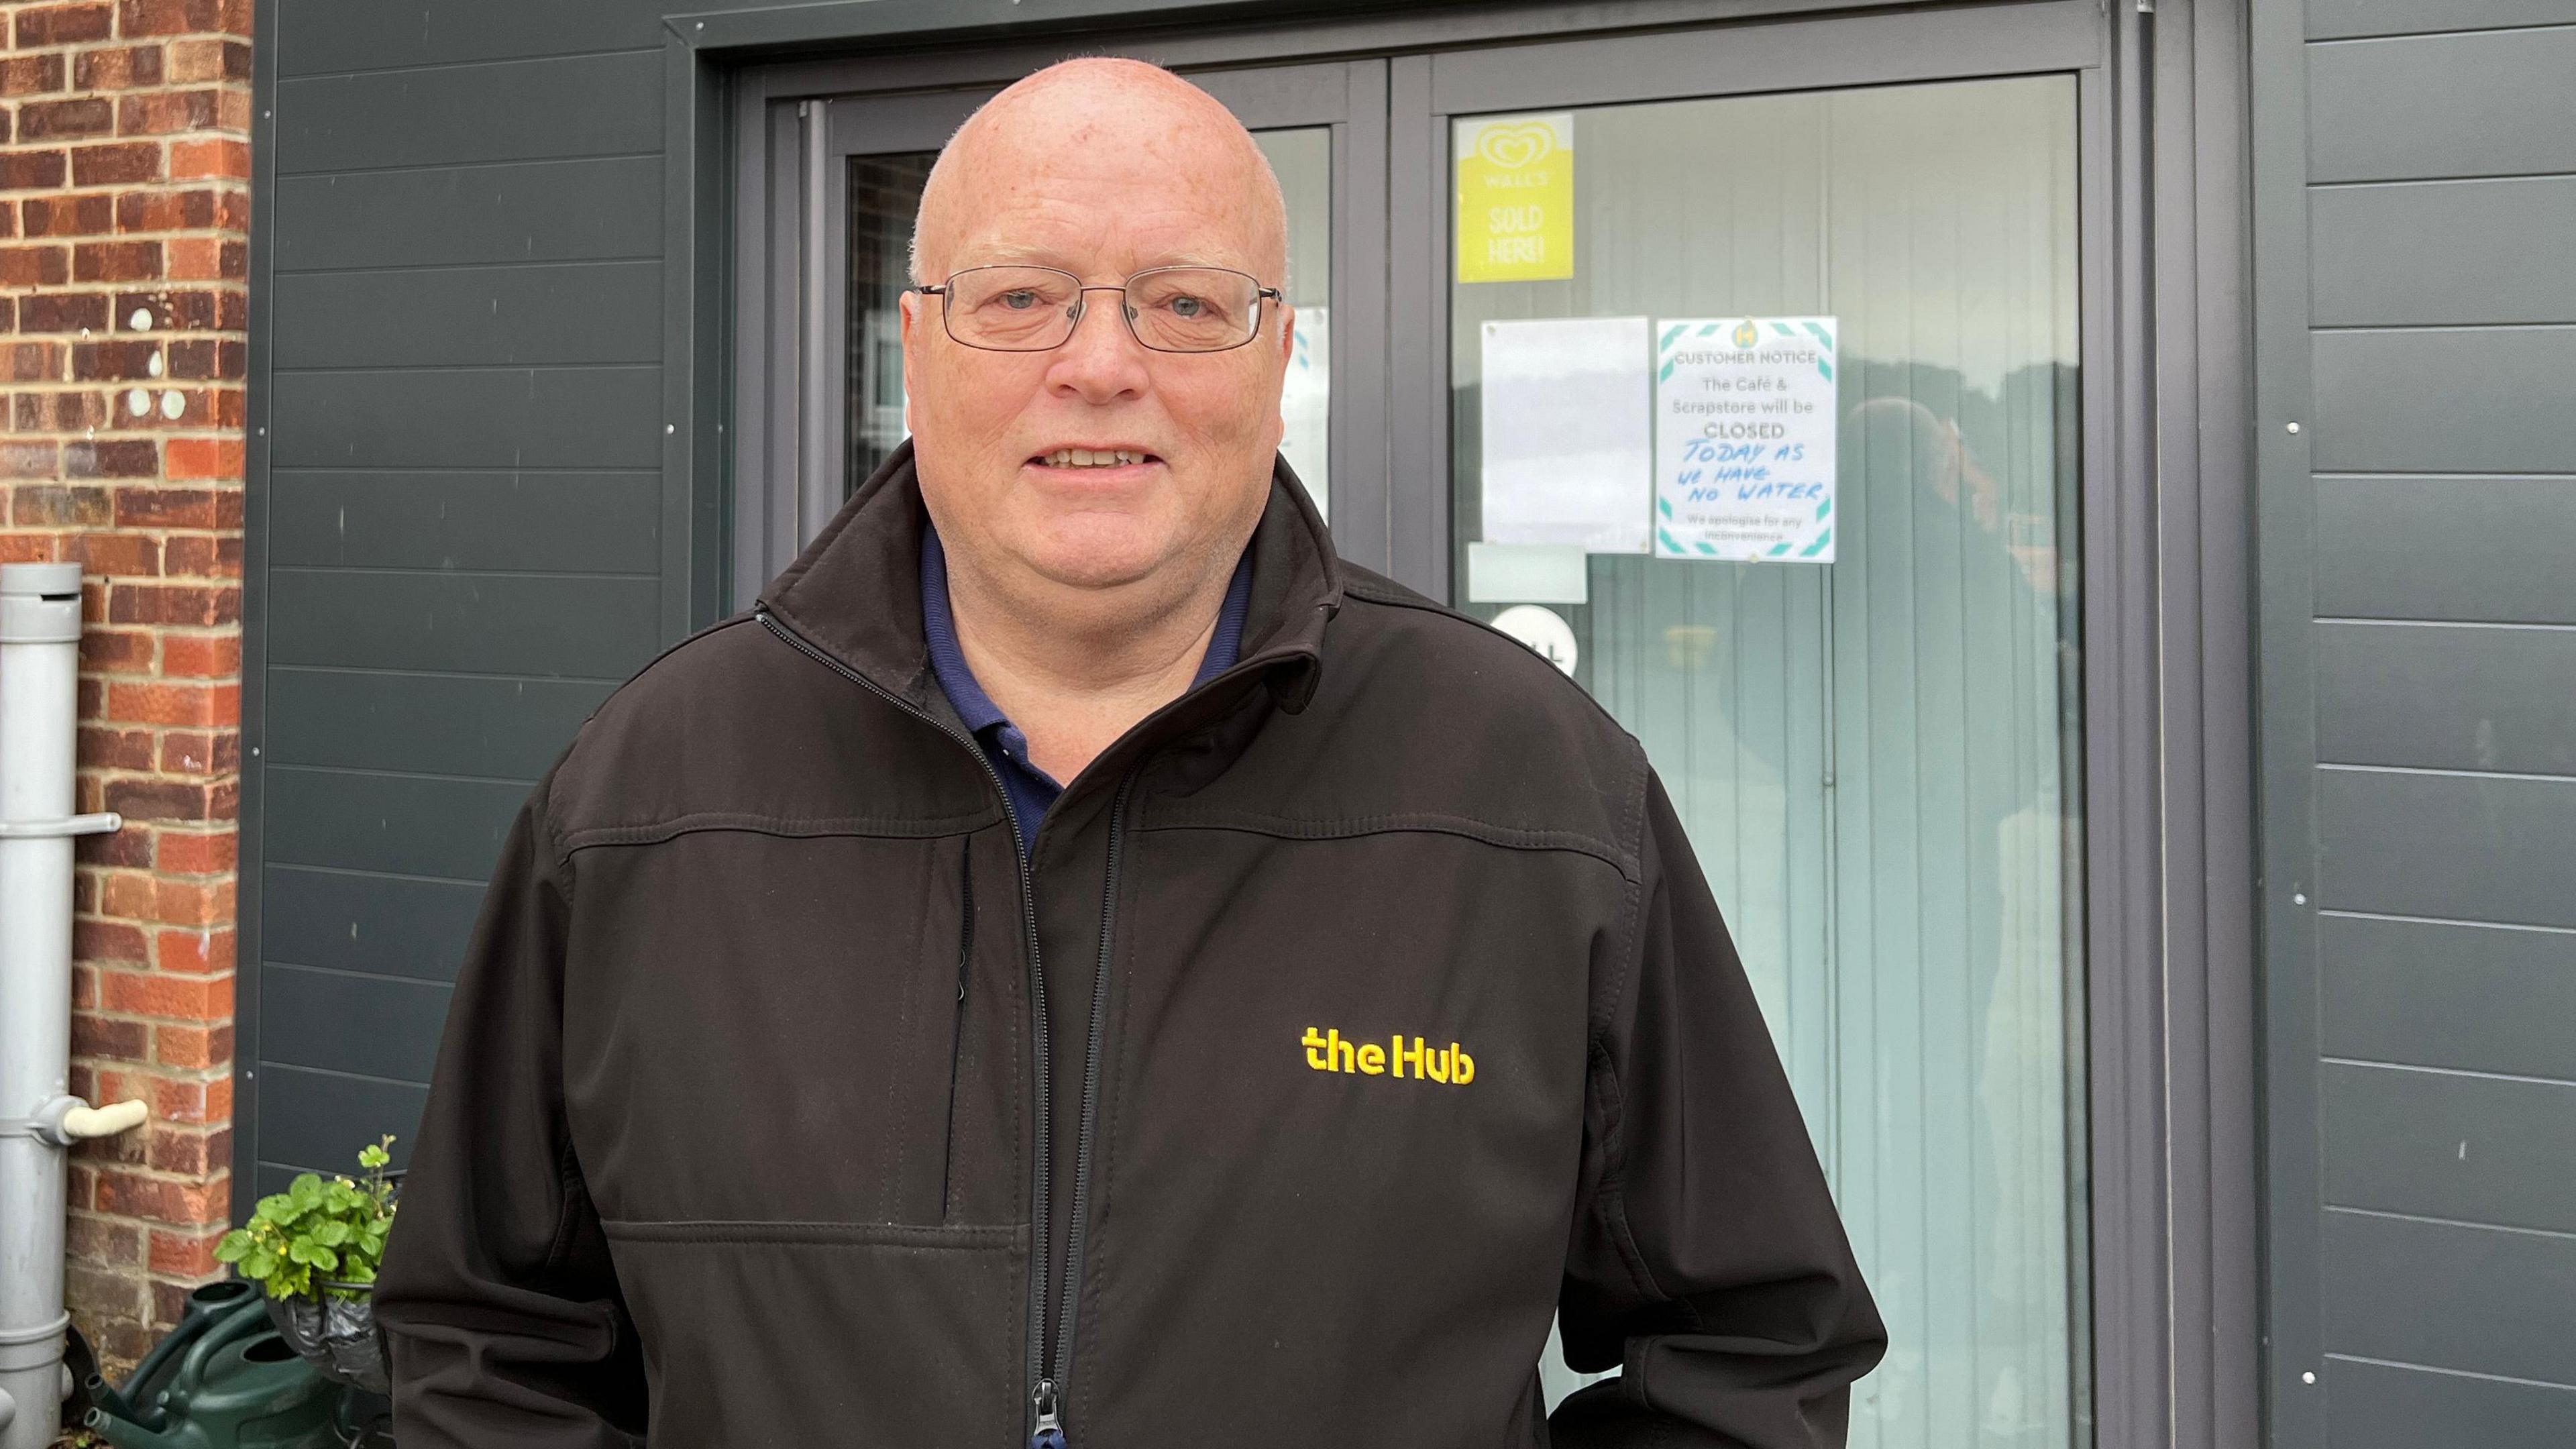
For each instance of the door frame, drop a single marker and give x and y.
(2169, 1169)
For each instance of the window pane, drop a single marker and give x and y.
(1876, 757)
(1304, 161)
(885, 195)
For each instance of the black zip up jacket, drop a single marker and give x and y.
(1357, 1011)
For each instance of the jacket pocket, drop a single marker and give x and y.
(856, 1335)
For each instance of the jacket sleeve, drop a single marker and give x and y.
(1708, 1263)
(497, 1296)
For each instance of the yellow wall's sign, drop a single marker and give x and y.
(1516, 198)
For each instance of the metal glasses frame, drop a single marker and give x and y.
(1073, 322)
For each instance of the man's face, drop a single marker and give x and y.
(1100, 189)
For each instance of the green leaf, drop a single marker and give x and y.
(324, 1259)
(234, 1246)
(332, 1234)
(374, 1156)
(277, 1207)
(260, 1264)
(306, 1191)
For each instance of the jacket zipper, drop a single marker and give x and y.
(1075, 1225)
(1041, 1218)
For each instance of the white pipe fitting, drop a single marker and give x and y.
(40, 627)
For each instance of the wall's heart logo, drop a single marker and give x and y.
(1513, 147)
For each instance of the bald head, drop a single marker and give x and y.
(1102, 119)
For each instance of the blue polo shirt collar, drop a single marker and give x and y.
(1031, 790)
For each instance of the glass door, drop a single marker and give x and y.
(1762, 423)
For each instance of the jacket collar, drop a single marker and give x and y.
(855, 592)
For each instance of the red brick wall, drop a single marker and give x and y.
(124, 223)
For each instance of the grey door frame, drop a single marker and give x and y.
(2172, 1091)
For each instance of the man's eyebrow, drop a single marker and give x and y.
(1007, 255)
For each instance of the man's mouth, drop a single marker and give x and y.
(1093, 457)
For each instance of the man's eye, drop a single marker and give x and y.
(1188, 307)
(1019, 301)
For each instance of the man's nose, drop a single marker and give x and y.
(1102, 361)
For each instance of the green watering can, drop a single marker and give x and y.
(223, 1379)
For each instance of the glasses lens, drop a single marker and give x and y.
(1012, 309)
(1193, 309)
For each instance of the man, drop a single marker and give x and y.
(1081, 965)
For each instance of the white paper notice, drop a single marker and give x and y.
(1568, 428)
(1744, 438)
(1305, 406)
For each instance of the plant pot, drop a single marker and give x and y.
(338, 1336)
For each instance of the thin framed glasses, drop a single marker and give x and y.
(1035, 309)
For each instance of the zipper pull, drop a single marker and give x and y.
(1050, 1430)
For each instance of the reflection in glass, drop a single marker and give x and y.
(885, 196)
(1876, 758)
(1303, 160)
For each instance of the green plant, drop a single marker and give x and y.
(335, 1228)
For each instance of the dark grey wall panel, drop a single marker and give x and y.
(2332, 19)
(2455, 847)
(445, 317)
(406, 825)
(333, 35)
(2447, 696)
(2446, 1145)
(2443, 252)
(2430, 993)
(2467, 548)
(317, 1121)
(441, 724)
(2483, 1299)
(574, 417)
(377, 1026)
(2464, 401)
(590, 105)
(2377, 1406)
(2498, 103)
(560, 522)
(389, 925)
(538, 212)
(586, 628)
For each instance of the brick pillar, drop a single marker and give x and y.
(124, 215)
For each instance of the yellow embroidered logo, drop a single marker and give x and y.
(1328, 1051)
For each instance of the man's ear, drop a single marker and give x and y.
(907, 307)
(1287, 336)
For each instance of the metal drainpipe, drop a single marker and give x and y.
(40, 626)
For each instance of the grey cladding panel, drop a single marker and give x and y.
(401, 825)
(591, 105)
(2453, 847)
(378, 1026)
(2464, 401)
(444, 317)
(2428, 993)
(452, 216)
(357, 922)
(2447, 696)
(2329, 19)
(558, 522)
(604, 417)
(2499, 103)
(317, 1121)
(2380, 1406)
(318, 36)
(431, 723)
(2441, 253)
(2442, 1145)
(2492, 549)
(585, 628)
(2482, 1300)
